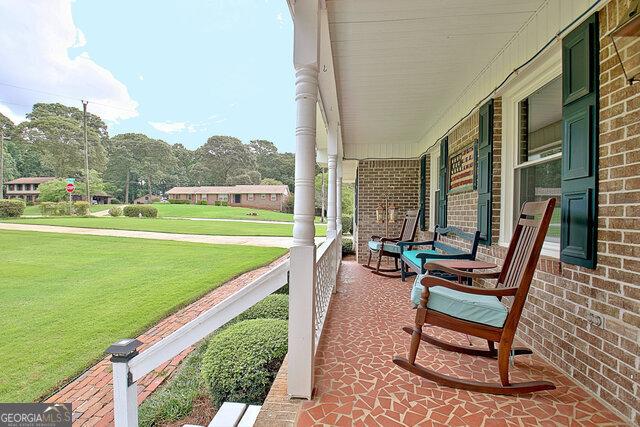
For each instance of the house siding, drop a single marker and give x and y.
(397, 180)
(563, 297)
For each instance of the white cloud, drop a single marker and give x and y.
(170, 127)
(15, 118)
(34, 40)
(280, 19)
(140, 77)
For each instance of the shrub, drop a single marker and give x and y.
(11, 208)
(347, 224)
(347, 246)
(55, 208)
(241, 361)
(223, 203)
(81, 208)
(203, 202)
(179, 201)
(115, 211)
(275, 306)
(146, 211)
(115, 201)
(288, 204)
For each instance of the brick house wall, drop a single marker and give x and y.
(563, 298)
(399, 180)
(257, 203)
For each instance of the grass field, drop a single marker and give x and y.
(163, 225)
(65, 298)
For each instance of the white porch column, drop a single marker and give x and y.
(303, 252)
(339, 195)
(332, 151)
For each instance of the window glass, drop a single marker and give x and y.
(274, 197)
(540, 148)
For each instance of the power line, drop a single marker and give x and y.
(63, 96)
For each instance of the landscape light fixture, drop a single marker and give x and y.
(626, 42)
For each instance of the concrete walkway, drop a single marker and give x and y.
(277, 242)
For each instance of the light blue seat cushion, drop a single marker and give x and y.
(374, 245)
(483, 309)
(412, 256)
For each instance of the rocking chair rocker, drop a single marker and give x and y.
(388, 246)
(479, 312)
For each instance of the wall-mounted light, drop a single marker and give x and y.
(392, 213)
(626, 42)
(380, 211)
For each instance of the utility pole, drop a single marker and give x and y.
(86, 151)
(1, 162)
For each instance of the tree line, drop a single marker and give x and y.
(51, 143)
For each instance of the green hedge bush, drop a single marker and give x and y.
(275, 306)
(115, 201)
(179, 202)
(81, 208)
(347, 246)
(347, 224)
(138, 210)
(55, 208)
(203, 202)
(11, 208)
(241, 361)
(115, 211)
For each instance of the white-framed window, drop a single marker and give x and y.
(532, 146)
(263, 196)
(223, 197)
(250, 196)
(274, 197)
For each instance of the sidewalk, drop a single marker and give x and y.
(277, 242)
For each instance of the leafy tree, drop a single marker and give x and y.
(59, 141)
(53, 191)
(124, 162)
(270, 181)
(221, 157)
(8, 128)
(96, 184)
(243, 179)
(156, 161)
(94, 122)
(184, 163)
(272, 164)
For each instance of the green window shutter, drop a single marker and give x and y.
(578, 237)
(484, 171)
(443, 175)
(423, 191)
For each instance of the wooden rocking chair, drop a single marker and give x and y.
(477, 311)
(388, 246)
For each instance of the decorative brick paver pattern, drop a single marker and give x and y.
(91, 394)
(357, 383)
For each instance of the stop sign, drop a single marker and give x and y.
(70, 188)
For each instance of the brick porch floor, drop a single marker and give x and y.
(91, 394)
(357, 383)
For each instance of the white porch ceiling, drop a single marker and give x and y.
(400, 64)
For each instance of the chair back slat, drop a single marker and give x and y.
(523, 254)
(409, 226)
(448, 248)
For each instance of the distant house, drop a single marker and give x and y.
(25, 188)
(272, 197)
(146, 199)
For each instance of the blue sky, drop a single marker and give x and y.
(176, 70)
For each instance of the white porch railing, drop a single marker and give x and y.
(327, 263)
(129, 366)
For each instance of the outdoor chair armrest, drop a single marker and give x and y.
(431, 281)
(442, 256)
(376, 237)
(409, 243)
(390, 239)
(435, 266)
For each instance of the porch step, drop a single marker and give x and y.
(233, 414)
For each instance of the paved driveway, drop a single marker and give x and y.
(277, 242)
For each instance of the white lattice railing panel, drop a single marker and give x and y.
(326, 269)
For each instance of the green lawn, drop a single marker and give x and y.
(163, 225)
(65, 298)
(222, 212)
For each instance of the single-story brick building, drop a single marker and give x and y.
(25, 188)
(271, 197)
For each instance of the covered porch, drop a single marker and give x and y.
(357, 384)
